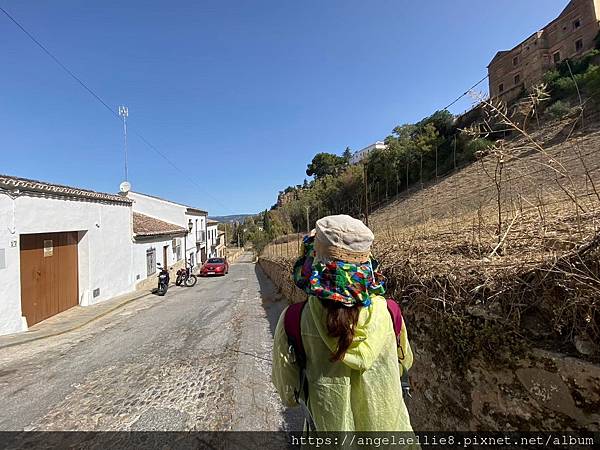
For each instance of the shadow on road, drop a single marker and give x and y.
(274, 304)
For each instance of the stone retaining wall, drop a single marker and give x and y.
(280, 274)
(234, 253)
(537, 390)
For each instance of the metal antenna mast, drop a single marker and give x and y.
(124, 112)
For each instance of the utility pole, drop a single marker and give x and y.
(307, 220)
(124, 113)
(366, 195)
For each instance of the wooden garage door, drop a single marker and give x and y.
(49, 274)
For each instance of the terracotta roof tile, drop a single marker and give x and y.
(149, 226)
(26, 185)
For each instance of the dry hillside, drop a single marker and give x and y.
(514, 236)
(497, 268)
(533, 267)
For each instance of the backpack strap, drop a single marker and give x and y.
(292, 327)
(398, 321)
(291, 324)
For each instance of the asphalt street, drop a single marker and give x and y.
(195, 359)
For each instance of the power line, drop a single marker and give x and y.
(467, 92)
(105, 104)
(57, 61)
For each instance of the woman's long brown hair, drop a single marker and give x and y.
(341, 323)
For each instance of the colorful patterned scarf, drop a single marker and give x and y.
(338, 281)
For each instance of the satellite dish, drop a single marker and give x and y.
(125, 187)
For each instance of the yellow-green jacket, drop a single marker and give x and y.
(360, 393)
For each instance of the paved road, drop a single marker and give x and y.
(196, 359)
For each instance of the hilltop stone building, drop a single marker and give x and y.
(571, 34)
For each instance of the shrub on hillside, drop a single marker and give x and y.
(477, 145)
(591, 81)
(561, 86)
(558, 109)
(571, 75)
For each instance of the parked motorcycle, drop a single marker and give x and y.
(163, 280)
(186, 277)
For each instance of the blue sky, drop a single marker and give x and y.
(240, 95)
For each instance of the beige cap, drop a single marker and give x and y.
(343, 238)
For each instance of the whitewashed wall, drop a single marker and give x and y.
(105, 248)
(212, 232)
(199, 226)
(140, 271)
(160, 209)
(10, 300)
(173, 213)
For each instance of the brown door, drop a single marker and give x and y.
(165, 259)
(49, 274)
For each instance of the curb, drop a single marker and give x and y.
(76, 327)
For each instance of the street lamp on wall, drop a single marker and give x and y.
(185, 256)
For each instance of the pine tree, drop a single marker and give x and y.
(347, 155)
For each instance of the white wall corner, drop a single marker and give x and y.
(85, 298)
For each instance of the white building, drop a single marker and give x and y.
(221, 247)
(212, 237)
(62, 246)
(59, 247)
(362, 154)
(166, 232)
(155, 241)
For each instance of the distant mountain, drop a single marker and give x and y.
(232, 218)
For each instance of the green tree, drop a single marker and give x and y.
(267, 224)
(325, 164)
(347, 155)
(443, 121)
(404, 132)
(426, 142)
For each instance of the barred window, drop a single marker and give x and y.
(150, 261)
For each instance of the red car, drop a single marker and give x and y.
(215, 266)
